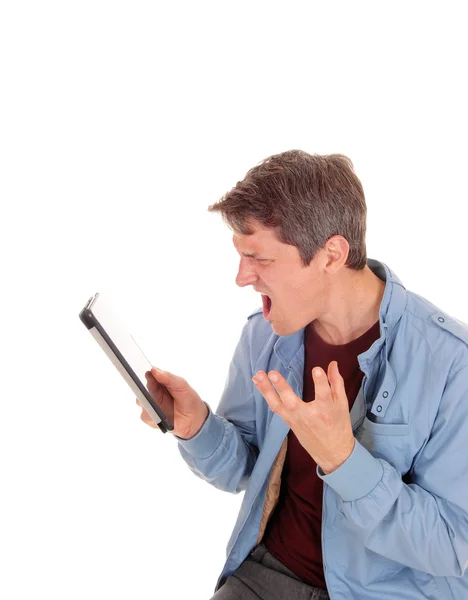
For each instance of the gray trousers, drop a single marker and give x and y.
(262, 577)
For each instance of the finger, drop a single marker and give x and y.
(264, 386)
(284, 390)
(268, 391)
(337, 384)
(147, 419)
(322, 387)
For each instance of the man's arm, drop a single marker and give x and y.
(225, 450)
(423, 524)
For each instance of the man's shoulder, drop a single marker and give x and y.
(257, 311)
(258, 332)
(436, 322)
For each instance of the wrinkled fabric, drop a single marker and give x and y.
(262, 577)
(395, 514)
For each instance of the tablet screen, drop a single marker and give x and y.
(124, 341)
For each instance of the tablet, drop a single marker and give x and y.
(124, 353)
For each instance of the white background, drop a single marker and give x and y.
(120, 123)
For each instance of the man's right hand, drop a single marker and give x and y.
(178, 401)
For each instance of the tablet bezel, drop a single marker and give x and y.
(98, 331)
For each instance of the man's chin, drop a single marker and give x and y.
(284, 330)
(278, 329)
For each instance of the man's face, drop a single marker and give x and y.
(296, 292)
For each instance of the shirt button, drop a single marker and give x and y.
(379, 408)
(441, 320)
(385, 394)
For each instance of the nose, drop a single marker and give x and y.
(246, 274)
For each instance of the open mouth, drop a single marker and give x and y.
(266, 305)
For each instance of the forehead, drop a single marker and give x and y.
(261, 236)
(260, 241)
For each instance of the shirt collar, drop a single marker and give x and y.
(391, 309)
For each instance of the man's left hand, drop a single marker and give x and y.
(322, 426)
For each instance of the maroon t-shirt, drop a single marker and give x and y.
(293, 534)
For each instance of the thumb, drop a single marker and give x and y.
(177, 387)
(170, 381)
(159, 375)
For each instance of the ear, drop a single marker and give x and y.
(337, 250)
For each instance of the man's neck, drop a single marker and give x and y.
(352, 308)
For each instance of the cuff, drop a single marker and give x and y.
(357, 476)
(207, 440)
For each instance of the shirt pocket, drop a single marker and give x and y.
(389, 441)
(385, 428)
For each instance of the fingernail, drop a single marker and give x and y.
(318, 373)
(274, 377)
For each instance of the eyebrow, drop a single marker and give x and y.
(249, 254)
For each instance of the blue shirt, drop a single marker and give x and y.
(395, 514)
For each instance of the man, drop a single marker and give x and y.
(345, 412)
